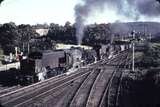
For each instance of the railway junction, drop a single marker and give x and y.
(97, 85)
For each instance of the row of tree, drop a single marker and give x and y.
(22, 36)
(93, 34)
(12, 36)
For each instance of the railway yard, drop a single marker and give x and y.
(97, 86)
(109, 82)
(80, 53)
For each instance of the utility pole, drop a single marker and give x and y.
(133, 51)
(28, 48)
(23, 47)
(150, 36)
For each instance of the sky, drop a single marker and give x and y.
(37, 11)
(51, 11)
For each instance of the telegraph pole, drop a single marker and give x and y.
(28, 48)
(133, 51)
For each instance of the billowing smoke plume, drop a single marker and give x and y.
(132, 9)
(82, 12)
(147, 7)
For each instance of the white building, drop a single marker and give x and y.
(42, 32)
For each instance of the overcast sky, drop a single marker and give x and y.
(48, 11)
(37, 11)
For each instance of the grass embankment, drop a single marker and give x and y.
(141, 88)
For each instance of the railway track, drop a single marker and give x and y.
(91, 91)
(55, 91)
(98, 88)
(26, 94)
(7, 90)
(91, 97)
(81, 96)
(115, 88)
(84, 88)
(111, 94)
(68, 101)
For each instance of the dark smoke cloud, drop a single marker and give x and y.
(148, 7)
(158, 1)
(1, 1)
(82, 12)
(132, 9)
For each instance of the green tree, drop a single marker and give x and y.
(9, 37)
(26, 33)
